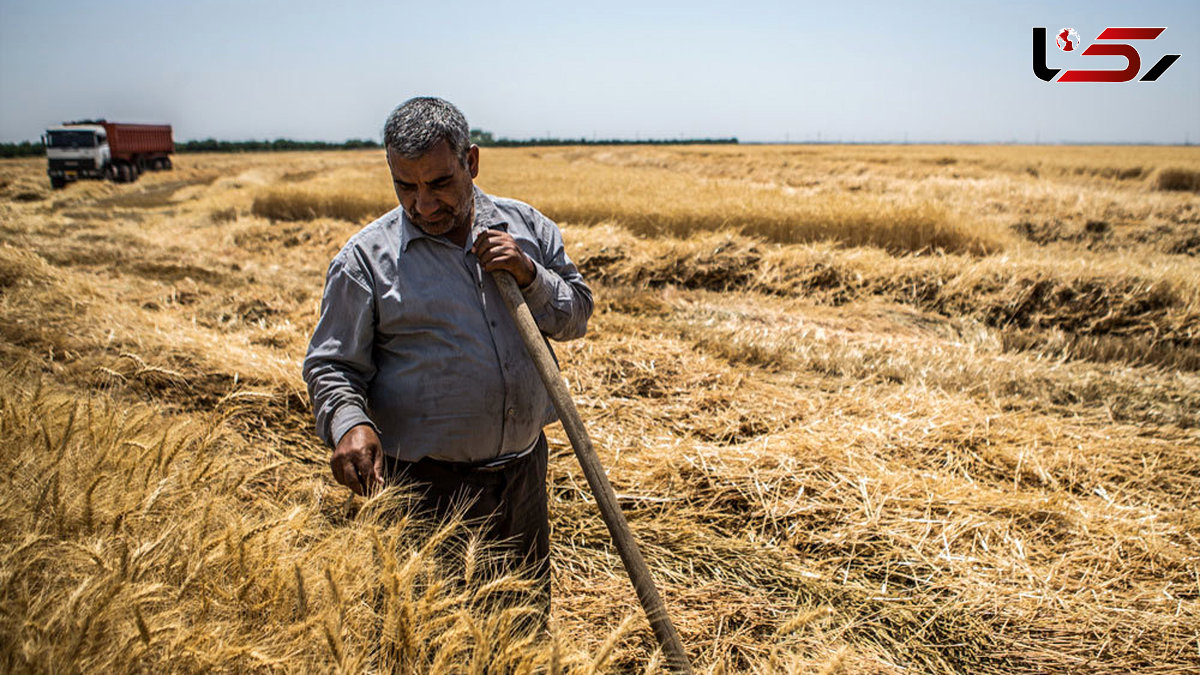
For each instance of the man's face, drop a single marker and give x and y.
(435, 189)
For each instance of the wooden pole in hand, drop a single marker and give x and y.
(606, 499)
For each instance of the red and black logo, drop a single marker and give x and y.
(1068, 41)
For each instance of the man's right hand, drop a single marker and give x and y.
(357, 461)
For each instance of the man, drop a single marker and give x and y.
(416, 369)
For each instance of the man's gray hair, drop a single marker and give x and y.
(419, 123)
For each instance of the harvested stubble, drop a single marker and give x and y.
(889, 496)
(1111, 309)
(836, 458)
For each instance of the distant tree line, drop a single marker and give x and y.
(486, 139)
(478, 136)
(22, 149)
(277, 145)
(28, 149)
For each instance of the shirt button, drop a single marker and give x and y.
(493, 324)
(511, 412)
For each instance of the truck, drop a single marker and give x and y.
(106, 150)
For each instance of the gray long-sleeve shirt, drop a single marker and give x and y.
(414, 338)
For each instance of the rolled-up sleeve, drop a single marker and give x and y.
(339, 367)
(558, 297)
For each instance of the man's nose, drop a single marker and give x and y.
(426, 204)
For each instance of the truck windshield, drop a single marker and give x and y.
(71, 139)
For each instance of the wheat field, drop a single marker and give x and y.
(868, 409)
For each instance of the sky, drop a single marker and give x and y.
(761, 71)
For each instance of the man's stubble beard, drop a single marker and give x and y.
(463, 216)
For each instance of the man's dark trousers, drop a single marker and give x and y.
(512, 498)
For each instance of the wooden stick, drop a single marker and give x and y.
(606, 499)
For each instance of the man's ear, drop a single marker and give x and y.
(473, 160)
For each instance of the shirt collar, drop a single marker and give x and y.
(487, 216)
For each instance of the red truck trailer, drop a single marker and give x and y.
(103, 149)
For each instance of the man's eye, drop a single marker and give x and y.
(405, 186)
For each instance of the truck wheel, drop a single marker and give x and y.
(124, 174)
(58, 183)
(167, 163)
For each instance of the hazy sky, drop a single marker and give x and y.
(761, 71)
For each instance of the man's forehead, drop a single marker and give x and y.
(437, 162)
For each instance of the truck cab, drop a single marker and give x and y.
(76, 151)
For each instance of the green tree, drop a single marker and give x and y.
(482, 138)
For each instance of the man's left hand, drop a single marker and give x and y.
(497, 250)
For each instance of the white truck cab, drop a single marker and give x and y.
(77, 151)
